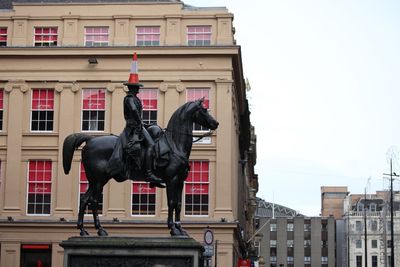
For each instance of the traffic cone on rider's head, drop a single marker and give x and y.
(134, 75)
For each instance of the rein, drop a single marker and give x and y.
(199, 137)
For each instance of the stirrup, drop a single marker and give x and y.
(150, 177)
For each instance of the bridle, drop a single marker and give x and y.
(199, 137)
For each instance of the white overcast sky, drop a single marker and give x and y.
(325, 93)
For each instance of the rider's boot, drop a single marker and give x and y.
(150, 177)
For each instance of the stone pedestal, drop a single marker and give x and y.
(132, 252)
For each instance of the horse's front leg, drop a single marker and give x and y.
(95, 208)
(171, 189)
(178, 208)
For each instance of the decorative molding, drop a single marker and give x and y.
(67, 86)
(170, 85)
(15, 85)
(111, 87)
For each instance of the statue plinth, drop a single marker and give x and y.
(132, 251)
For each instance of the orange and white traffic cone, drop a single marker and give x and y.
(134, 75)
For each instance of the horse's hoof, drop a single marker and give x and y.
(84, 232)
(175, 231)
(102, 232)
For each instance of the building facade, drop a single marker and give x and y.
(286, 238)
(366, 223)
(62, 68)
(332, 198)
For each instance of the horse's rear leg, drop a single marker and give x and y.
(95, 206)
(84, 201)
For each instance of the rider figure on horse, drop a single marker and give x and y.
(126, 157)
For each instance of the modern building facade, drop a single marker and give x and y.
(332, 198)
(373, 242)
(290, 239)
(62, 68)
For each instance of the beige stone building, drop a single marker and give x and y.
(62, 66)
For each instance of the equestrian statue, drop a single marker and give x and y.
(140, 153)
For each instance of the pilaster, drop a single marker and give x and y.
(64, 184)
(173, 33)
(14, 187)
(121, 35)
(224, 30)
(10, 254)
(20, 32)
(70, 32)
(117, 205)
(224, 200)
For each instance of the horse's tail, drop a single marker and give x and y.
(72, 142)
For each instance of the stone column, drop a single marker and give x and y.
(224, 173)
(171, 91)
(65, 184)
(13, 185)
(20, 32)
(118, 206)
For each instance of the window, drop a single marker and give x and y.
(290, 227)
(358, 261)
(374, 225)
(1, 108)
(42, 114)
(372, 207)
(290, 260)
(272, 243)
(324, 226)
(143, 199)
(358, 243)
(359, 226)
(193, 94)
(324, 260)
(45, 36)
(273, 259)
(374, 243)
(307, 243)
(39, 187)
(35, 255)
(360, 207)
(83, 186)
(93, 109)
(290, 243)
(389, 243)
(199, 35)
(272, 227)
(324, 243)
(149, 102)
(148, 36)
(196, 188)
(257, 247)
(3, 36)
(374, 260)
(96, 36)
(307, 260)
(307, 227)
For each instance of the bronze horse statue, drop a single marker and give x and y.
(171, 163)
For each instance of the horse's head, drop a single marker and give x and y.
(202, 117)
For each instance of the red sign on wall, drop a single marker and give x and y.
(244, 263)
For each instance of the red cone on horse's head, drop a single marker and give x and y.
(134, 74)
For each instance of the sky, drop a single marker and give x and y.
(325, 94)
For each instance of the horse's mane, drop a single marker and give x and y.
(175, 122)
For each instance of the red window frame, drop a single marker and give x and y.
(93, 109)
(149, 100)
(83, 186)
(197, 188)
(39, 187)
(45, 36)
(199, 35)
(42, 110)
(3, 36)
(143, 199)
(193, 94)
(96, 36)
(148, 35)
